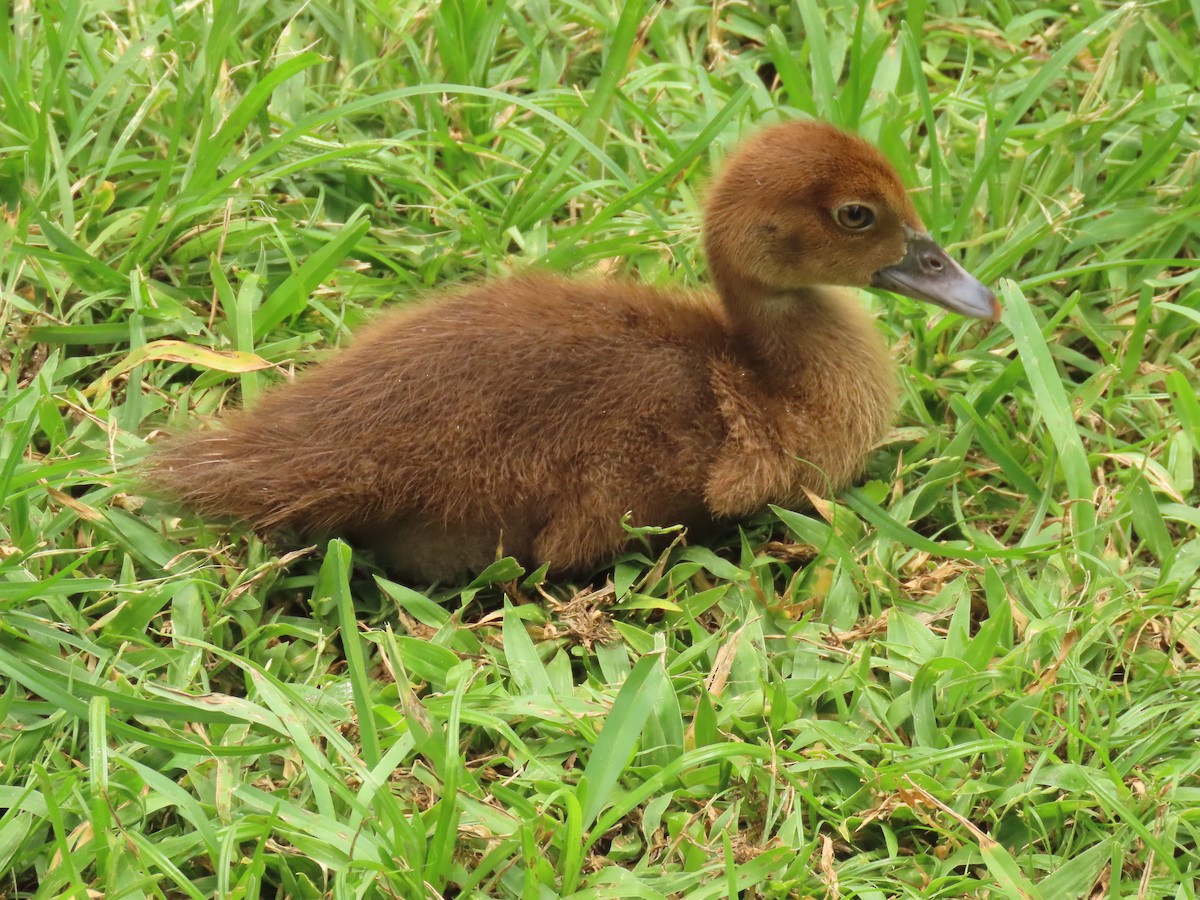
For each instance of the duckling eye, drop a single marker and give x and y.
(855, 216)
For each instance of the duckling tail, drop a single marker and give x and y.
(249, 474)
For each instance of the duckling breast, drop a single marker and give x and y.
(807, 421)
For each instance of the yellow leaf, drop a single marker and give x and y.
(182, 352)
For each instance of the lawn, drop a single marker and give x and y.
(976, 674)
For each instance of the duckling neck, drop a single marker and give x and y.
(806, 334)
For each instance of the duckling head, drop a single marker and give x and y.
(804, 204)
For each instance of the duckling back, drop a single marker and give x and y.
(529, 405)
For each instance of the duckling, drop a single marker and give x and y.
(528, 416)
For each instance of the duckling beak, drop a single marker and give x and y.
(927, 273)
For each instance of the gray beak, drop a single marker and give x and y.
(927, 273)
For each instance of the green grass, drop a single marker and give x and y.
(977, 676)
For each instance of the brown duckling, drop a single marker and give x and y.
(531, 414)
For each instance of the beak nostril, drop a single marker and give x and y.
(928, 273)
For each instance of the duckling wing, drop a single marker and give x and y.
(535, 403)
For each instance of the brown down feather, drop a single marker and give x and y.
(534, 412)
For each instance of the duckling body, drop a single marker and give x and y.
(531, 414)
